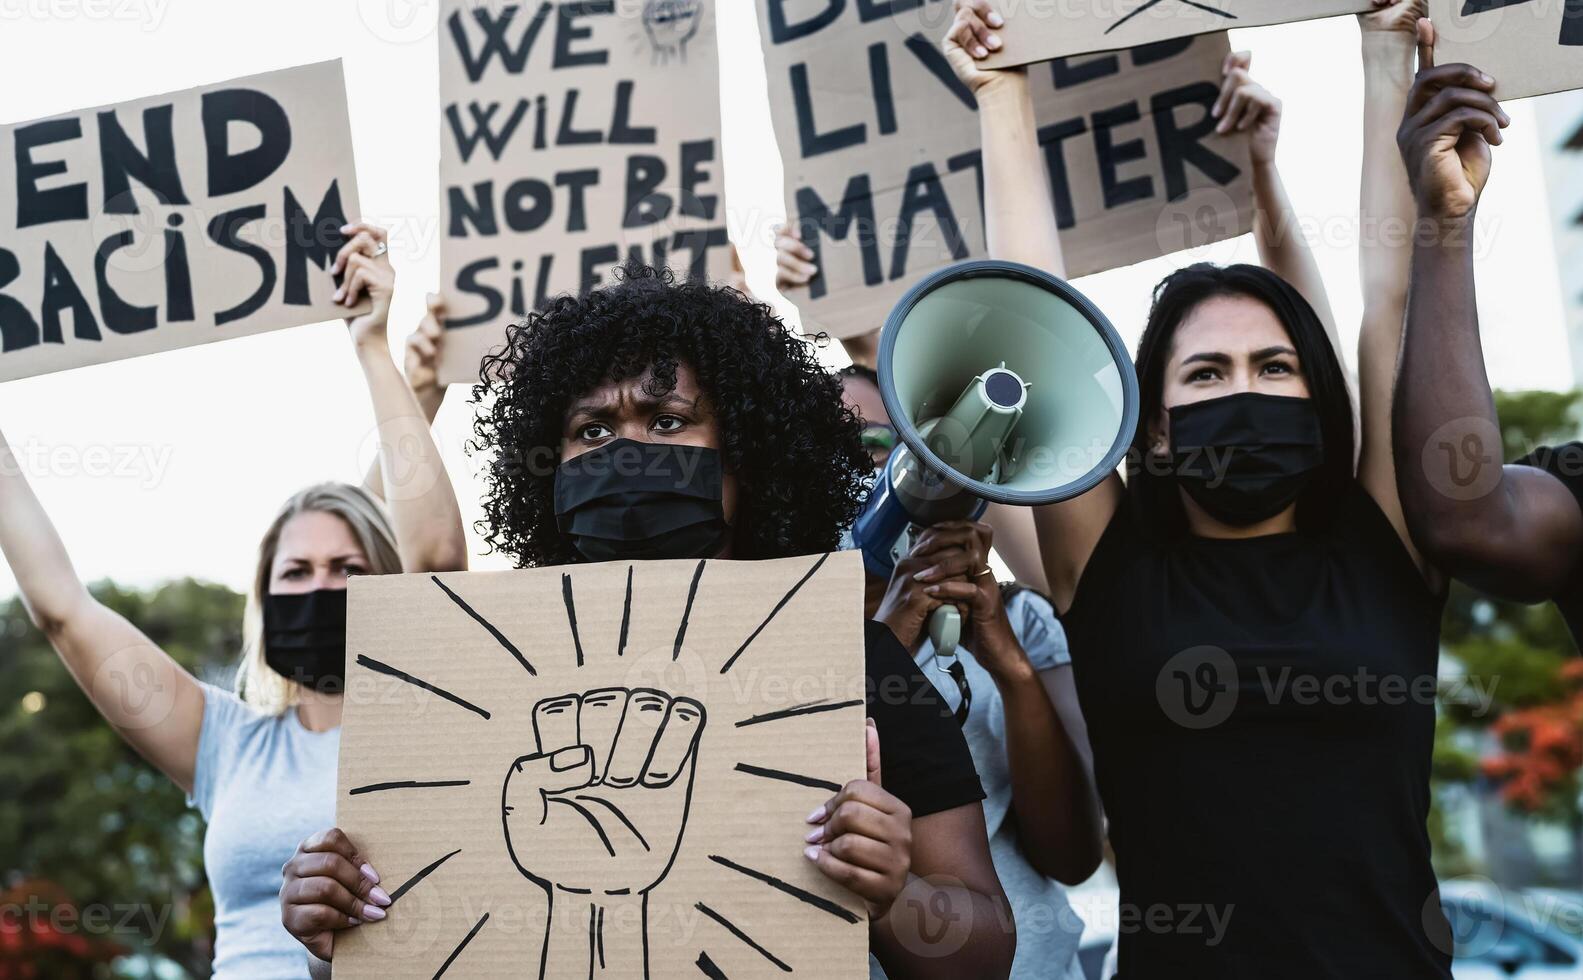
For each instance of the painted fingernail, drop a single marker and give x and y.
(817, 815)
(338, 294)
(378, 897)
(996, 20)
(816, 836)
(346, 228)
(979, 52)
(373, 912)
(811, 853)
(351, 921)
(993, 41)
(369, 873)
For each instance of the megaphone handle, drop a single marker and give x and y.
(945, 631)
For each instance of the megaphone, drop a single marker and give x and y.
(1006, 385)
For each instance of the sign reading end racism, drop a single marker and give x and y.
(884, 174)
(1038, 30)
(574, 137)
(1530, 47)
(173, 221)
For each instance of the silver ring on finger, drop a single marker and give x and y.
(380, 249)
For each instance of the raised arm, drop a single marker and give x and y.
(1020, 221)
(417, 490)
(1386, 219)
(1512, 531)
(423, 377)
(1245, 106)
(151, 702)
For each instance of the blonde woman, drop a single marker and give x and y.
(260, 763)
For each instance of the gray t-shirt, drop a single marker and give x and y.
(1048, 929)
(263, 783)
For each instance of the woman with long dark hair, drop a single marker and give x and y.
(1253, 634)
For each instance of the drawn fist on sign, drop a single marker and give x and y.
(601, 805)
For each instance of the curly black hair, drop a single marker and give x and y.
(785, 433)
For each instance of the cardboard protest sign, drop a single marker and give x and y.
(174, 220)
(1530, 47)
(603, 765)
(573, 136)
(1038, 30)
(883, 166)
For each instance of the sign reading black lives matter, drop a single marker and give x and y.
(882, 152)
(174, 220)
(1530, 47)
(575, 136)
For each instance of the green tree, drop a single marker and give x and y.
(94, 842)
(1520, 654)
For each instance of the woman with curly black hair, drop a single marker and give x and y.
(785, 437)
(652, 419)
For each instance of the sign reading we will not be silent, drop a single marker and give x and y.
(174, 220)
(574, 136)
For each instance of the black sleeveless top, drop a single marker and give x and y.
(1262, 716)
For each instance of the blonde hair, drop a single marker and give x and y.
(256, 682)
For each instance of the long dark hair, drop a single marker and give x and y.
(1153, 494)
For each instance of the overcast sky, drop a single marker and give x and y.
(172, 465)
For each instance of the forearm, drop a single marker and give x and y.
(1284, 248)
(930, 914)
(1386, 209)
(45, 577)
(429, 400)
(418, 491)
(1053, 799)
(317, 969)
(1018, 207)
(1444, 415)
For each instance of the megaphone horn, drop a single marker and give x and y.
(1005, 385)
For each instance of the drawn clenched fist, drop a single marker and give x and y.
(601, 805)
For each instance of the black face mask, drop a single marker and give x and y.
(305, 638)
(1245, 458)
(631, 500)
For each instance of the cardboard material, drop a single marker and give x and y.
(174, 220)
(721, 702)
(573, 135)
(882, 154)
(1530, 47)
(1038, 30)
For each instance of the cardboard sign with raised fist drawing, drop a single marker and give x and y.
(603, 765)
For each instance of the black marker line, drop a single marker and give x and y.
(401, 675)
(407, 784)
(593, 928)
(1155, 3)
(486, 624)
(823, 904)
(621, 817)
(707, 967)
(692, 593)
(706, 910)
(788, 777)
(626, 616)
(811, 708)
(406, 886)
(571, 615)
(774, 612)
(459, 947)
(599, 930)
(603, 837)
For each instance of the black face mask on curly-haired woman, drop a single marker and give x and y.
(652, 420)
